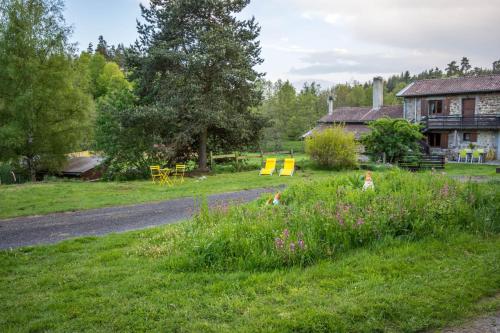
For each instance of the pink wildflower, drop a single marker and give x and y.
(339, 218)
(360, 221)
(279, 243)
(301, 244)
(286, 233)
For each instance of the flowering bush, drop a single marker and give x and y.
(334, 148)
(320, 220)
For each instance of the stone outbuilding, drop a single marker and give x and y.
(356, 119)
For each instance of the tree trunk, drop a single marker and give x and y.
(202, 151)
(31, 168)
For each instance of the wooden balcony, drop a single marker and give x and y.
(483, 121)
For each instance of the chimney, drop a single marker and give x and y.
(330, 105)
(378, 92)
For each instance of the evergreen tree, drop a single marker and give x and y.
(452, 69)
(195, 61)
(119, 56)
(44, 108)
(90, 48)
(102, 47)
(496, 67)
(465, 66)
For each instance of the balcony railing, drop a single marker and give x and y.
(483, 121)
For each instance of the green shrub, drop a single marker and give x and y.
(333, 148)
(12, 174)
(323, 219)
(396, 138)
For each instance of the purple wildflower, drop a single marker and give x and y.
(286, 233)
(279, 243)
(339, 218)
(360, 221)
(301, 244)
(292, 247)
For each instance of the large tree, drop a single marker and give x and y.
(195, 61)
(44, 109)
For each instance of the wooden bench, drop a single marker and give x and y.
(415, 163)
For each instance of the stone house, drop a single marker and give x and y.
(356, 119)
(456, 112)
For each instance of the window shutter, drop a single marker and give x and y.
(446, 106)
(424, 107)
(473, 137)
(444, 140)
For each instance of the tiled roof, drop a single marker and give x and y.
(357, 129)
(362, 114)
(79, 165)
(450, 86)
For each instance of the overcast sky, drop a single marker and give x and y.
(333, 41)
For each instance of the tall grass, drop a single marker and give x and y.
(323, 219)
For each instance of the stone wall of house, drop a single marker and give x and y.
(409, 109)
(487, 140)
(455, 105)
(485, 104)
(488, 104)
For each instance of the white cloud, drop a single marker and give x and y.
(362, 38)
(445, 25)
(343, 61)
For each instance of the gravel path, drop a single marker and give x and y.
(33, 230)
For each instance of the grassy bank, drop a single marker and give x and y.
(102, 285)
(324, 219)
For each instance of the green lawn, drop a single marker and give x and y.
(464, 169)
(49, 197)
(102, 284)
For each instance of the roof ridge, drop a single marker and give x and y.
(457, 77)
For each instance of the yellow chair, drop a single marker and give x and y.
(156, 173)
(269, 168)
(462, 155)
(180, 170)
(288, 167)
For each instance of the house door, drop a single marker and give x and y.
(468, 107)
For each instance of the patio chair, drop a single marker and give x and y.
(288, 167)
(475, 156)
(180, 170)
(156, 174)
(462, 156)
(478, 155)
(469, 154)
(269, 168)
